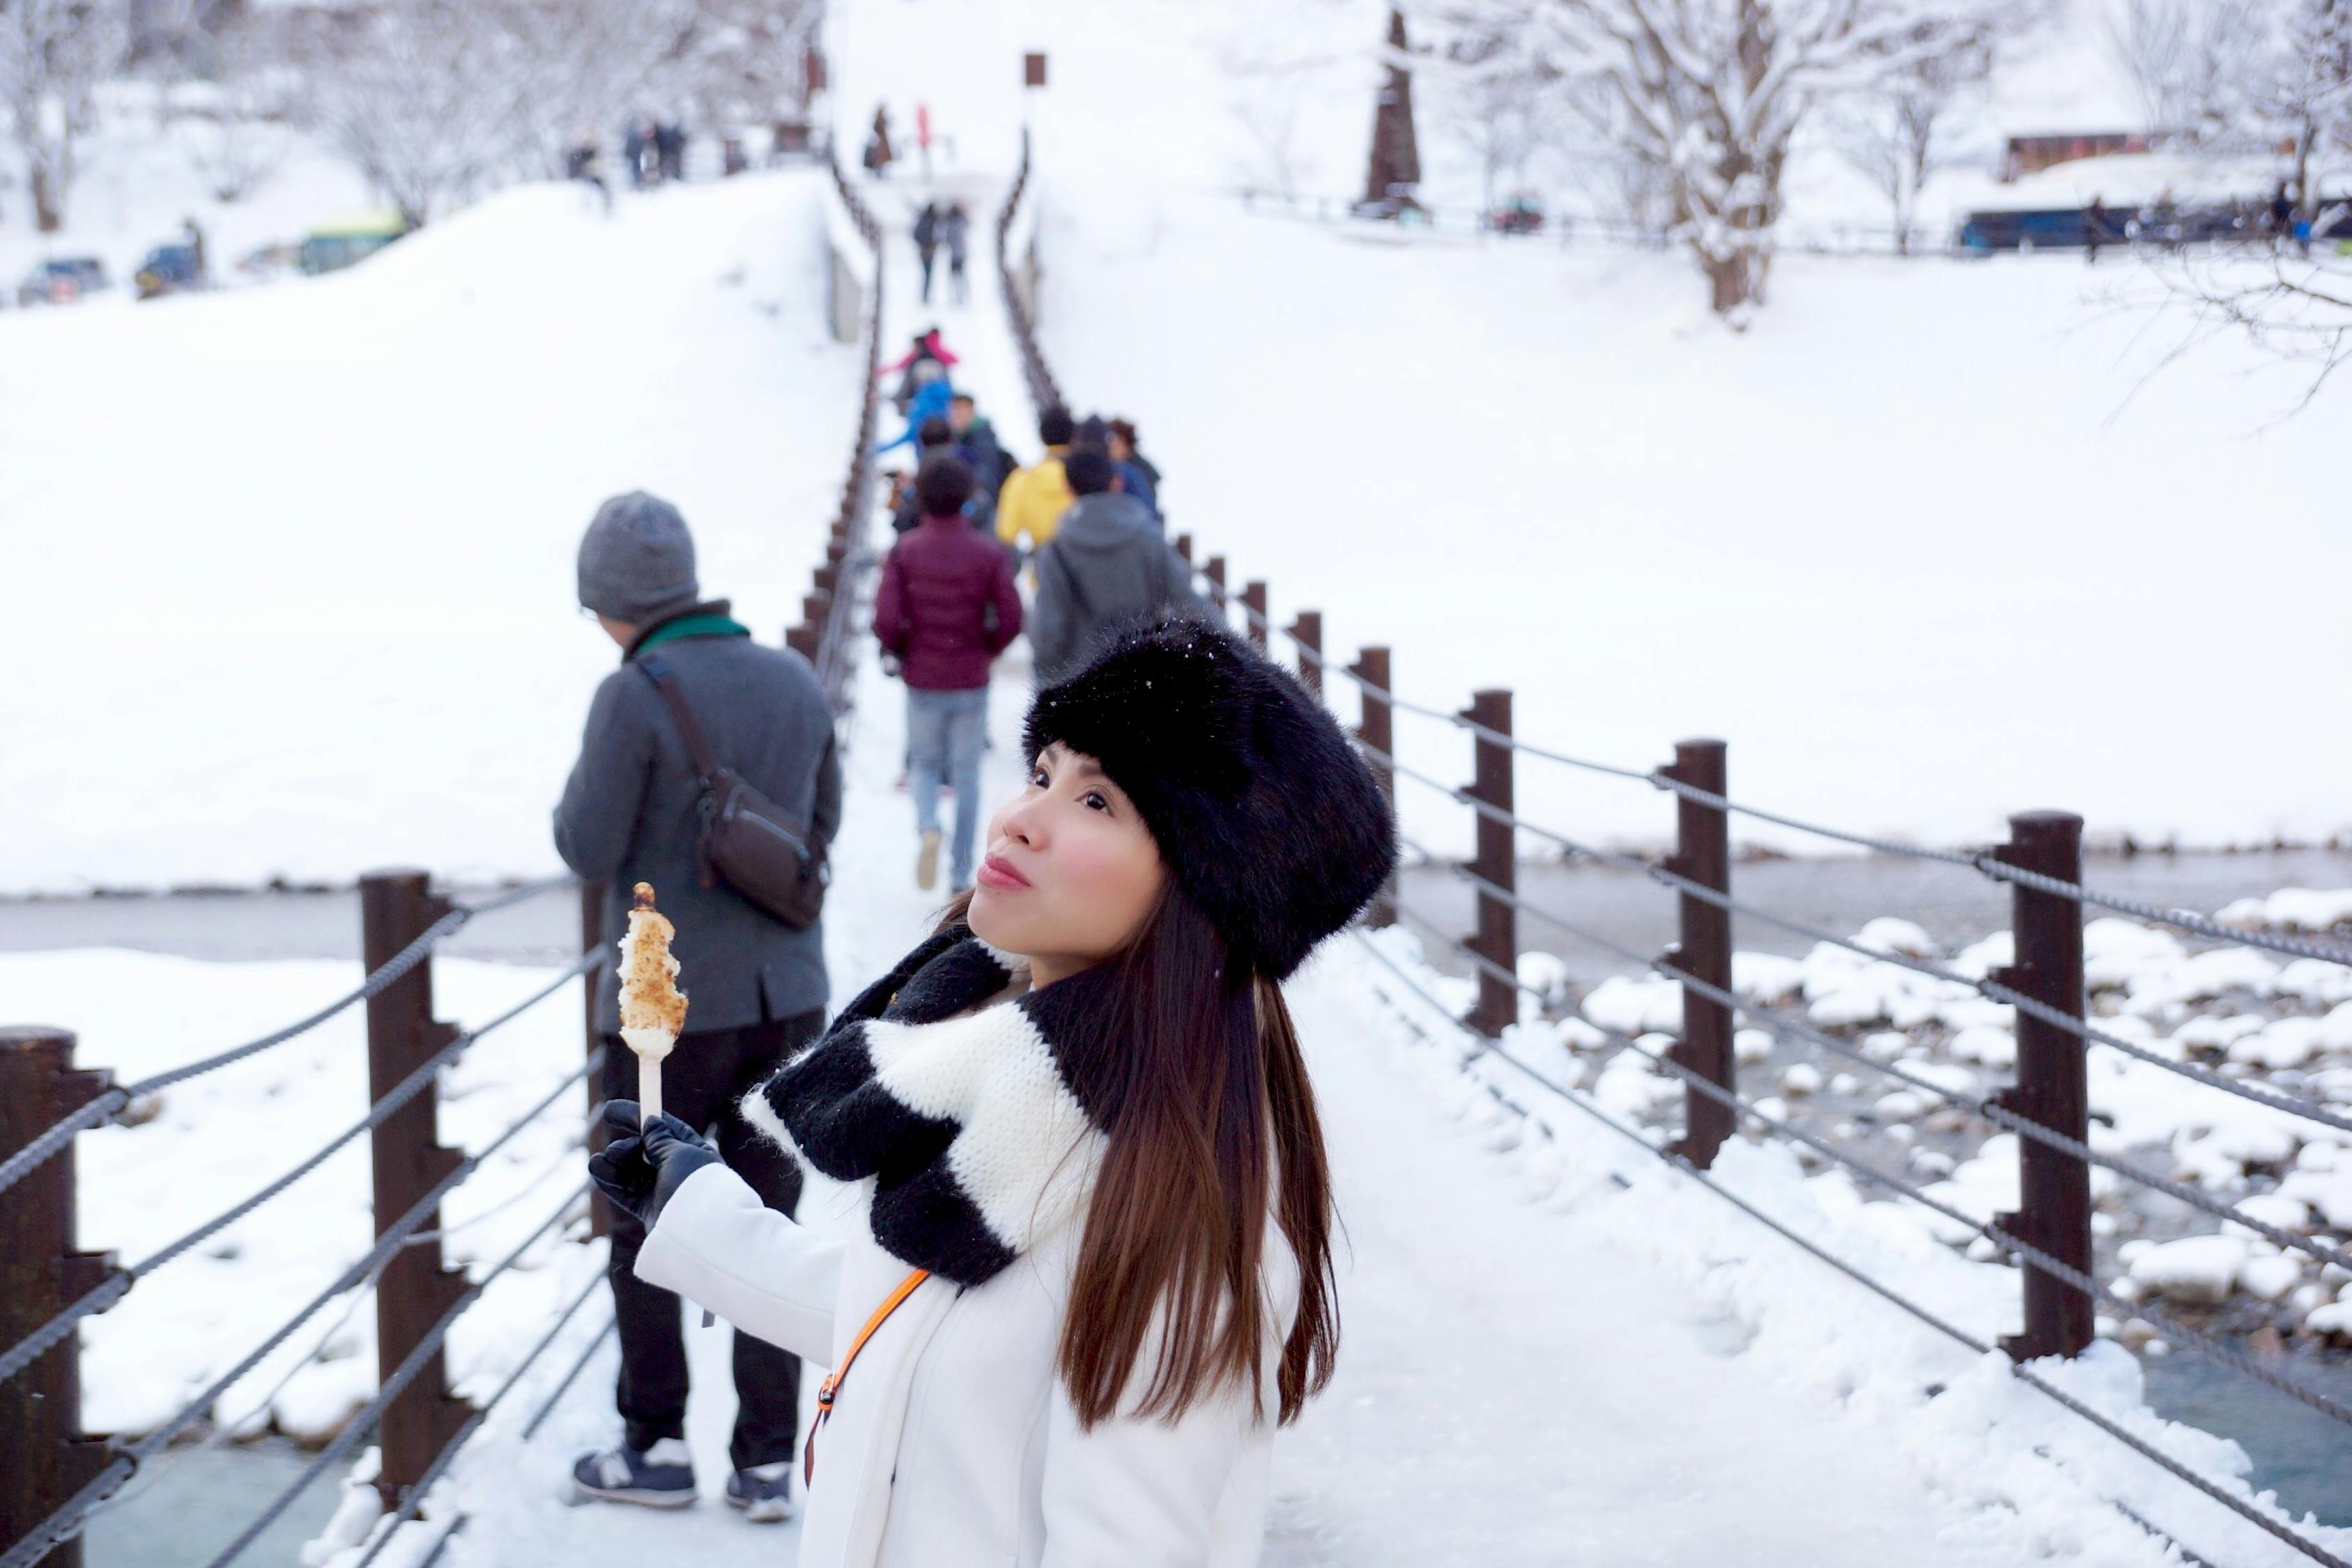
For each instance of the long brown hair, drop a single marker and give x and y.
(1210, 1121)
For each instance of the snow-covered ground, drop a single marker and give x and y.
(295, 563)
(1930, 542)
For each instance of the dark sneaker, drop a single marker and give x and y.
(658, 1477)
(763, 1493)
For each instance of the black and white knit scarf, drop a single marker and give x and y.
(982, 1131)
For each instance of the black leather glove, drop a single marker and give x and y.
(641, 1167)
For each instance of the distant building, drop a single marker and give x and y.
(2031, 154)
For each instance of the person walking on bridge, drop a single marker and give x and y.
(955, 233)
(946, 609)
(1106, 567)
(632, 811)
(977, 437)
(927, 243)
(1089, 1272)
(1034, 498)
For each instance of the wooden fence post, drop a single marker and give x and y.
(1496, 863)
(1216, 573)
(1376, 730)
(414, 1290)
(591, 935)
(41, 1274)
(1702, 855)
(1307, 631)
(1254, 618)
(2054, 1187)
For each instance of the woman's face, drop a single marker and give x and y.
(1071, 870)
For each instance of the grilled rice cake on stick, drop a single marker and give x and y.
(652, 1009)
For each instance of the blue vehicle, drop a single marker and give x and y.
(168, 270)
(2048, 228)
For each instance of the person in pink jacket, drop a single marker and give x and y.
(946, 609)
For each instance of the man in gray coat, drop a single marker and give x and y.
(755, 988)
(1107, 563)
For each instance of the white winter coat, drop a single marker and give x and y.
(953, 1441)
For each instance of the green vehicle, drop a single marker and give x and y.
(347, 241)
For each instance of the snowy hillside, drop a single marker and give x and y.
(298, 561)
(1931, 543)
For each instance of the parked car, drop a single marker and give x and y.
(168, 270)
(1520, 215)
(61, 280)
(347, 241)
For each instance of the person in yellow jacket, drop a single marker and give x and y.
(1034, 498)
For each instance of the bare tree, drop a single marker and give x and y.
(1268, 117)
(2290, 80)
(745, 62)
(1900, 133)
(2296, 87)
(1291, 52)
(249, 134)
(1497, 103)
(2182, 59)
(1710, 93)
(53, 55)
(581, 64)
(422, 95)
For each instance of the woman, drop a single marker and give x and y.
(1094, 1269)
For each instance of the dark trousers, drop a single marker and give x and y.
(701, 1082)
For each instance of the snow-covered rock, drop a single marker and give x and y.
(2196, 1269)
(1889, 934)
(1993, 1047)
(2292, 908)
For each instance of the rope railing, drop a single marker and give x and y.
(457, 1441)
(828, 645)
(98, 1299)
(2020, 1371)
(364, 1419)
(114, 1101)
(1787, 1028)
(1976, 861)
(1044, 392)
(68, 1519)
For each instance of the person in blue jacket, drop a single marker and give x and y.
(931, 402)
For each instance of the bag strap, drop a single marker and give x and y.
(689, 729)
(831, 1385)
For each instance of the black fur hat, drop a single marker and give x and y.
(1263, 811)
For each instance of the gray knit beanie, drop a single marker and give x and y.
(636, 560)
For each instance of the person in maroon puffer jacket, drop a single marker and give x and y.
(947, 608)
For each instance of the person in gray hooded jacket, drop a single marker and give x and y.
(1107, 564)
(755, 988)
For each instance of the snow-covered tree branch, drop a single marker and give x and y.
(53, 55)
(1710, 93)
